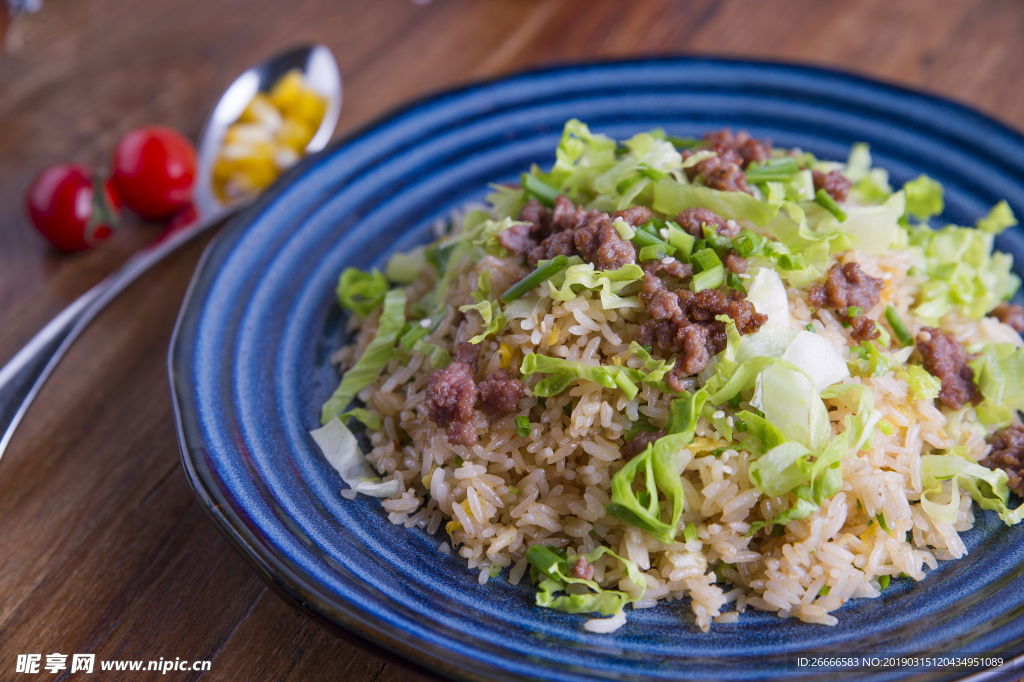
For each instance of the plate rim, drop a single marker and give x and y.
(353, 624)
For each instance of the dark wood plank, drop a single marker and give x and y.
(104, 548)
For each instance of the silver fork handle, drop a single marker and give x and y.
(23, 376)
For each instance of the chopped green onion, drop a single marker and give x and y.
(705, 259)
(654, 252)
(494, 570)
(652, 173)
(648, 348)
(690, 532)
(825, 199)
(778, 529)
(513, 490)
(415, 333)
(881, 521)
(735, 401)
(541, 274)
(883, 581)
(714, 240)
(644, 238)
(708, 279)
(809, 326)
(854, 311)
(825, 589)
(733, 280)
(684, 142)
(885, 427)
(538, 189)
(700, 244)
(680, 238)
(898, 328)
(624, 229)
(747, 243)
(773, 170)
(523, 425)
(458, 461)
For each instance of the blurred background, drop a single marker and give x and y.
(104, 548)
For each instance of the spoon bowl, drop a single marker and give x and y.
(320, 71)
(24, 374)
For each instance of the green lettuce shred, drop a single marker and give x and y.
(374, 358)
(998, 219)
(924, 198)
(672, 197)
(999, 375)
(610, 283)
(923, 386)
(550, 571)
(361, 291)
(564, 372)
(988, 487)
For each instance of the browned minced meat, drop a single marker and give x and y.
(682, 321)
(693, 220)
(451, 395)
(599, 243)
(500, 393)
(566, 216)
(582, 569)
(558, 244)
(749, 149)
(817, 297)
(848, 285)
(863, 328)
(1008, 454)
(545, 221)
(946, 359)
(833, 182)
(734, 262)
(640, 442)
(517, 239)
(635, 215)
(705, 305)
(670, 266)
(1011, 314)
(722, 172)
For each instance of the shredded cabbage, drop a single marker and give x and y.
(999, 375)
(610, 282)
(988, 487)
(342, 452)
(405, 267)
(924, 197)
(998, 219)
(550, 571)
(672, 197)
(361, 291)
(376, 355)
(580, 157)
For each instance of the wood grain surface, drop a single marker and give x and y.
(102, 547)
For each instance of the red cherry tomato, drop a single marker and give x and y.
(154, 170)
(62, 205)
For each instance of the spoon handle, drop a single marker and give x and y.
(23, 376)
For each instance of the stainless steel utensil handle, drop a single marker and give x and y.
(24, 375)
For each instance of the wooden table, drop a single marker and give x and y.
(102, 547)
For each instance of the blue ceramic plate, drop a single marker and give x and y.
(249, 371)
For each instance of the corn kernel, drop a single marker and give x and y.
(295, 133)
(287, 89)
(261, 110)
(506, 356)
(309, 107)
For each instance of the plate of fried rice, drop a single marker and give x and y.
(670, 369)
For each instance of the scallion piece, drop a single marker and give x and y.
(885, 427)
(513, 490)
(898, 328)
(883, 581)
(538, 189)
(523, 425)
(644, 238)
(747, 243)
(708, 279)
(652, 252)
(541, 274)
(809, 327)
(624, 229)
(684, 142)
(409, 338)
(680, 238)
(854, 311)
(773, 170)
(734, 281)
(690, 532)
(881, 521)
(706, 259)
(825, 200)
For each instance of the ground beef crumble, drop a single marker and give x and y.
(1011, 314)
(946, 359)
(734, 262)
(682, 321)
(500, 393)
(567, 231)
(1008, 454)
(670, 266)
(833, 182)
(694, 219)
(582, 569)
(640, 442)
(451, 395)
(846, 286)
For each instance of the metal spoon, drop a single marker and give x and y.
(23, 376)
